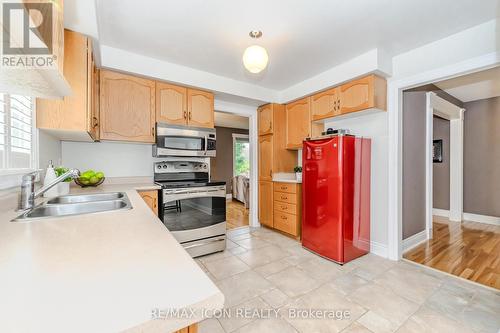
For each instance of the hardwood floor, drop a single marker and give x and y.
(470, 250)
(236, 215)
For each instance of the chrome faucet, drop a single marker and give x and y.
(28, 193)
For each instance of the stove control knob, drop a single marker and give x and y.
(158, 167)
(164, 166)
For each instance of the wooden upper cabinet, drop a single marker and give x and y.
(171, 104)
(127, 107)
(74, 117)
(325, 104)
(298, 123)
(266, 157)
(200, 108)
(265, 119)
(364, 93)
(266, 203)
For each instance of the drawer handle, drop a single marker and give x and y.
(283, 207)
(283, 198)
(284, 188)
(283, 217)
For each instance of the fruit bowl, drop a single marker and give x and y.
(79, 182)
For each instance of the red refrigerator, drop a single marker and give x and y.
(336, 197)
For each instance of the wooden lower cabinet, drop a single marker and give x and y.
(287, 208)
(151, 199)
(190, 329)
(266, 203)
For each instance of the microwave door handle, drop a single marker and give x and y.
(206, 144)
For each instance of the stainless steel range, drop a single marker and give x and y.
(193, 208)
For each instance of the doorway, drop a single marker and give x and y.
(232, 164)
(449, 177)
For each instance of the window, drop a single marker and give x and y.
(241, 155)
(17, 135)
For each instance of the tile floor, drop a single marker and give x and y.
(274, 276)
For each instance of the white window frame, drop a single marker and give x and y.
(238, 136)
(11, 177)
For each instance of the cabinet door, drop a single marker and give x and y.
(127, 107)
(200, 108)
(265, 119)
(151, 199)
(325, 104)
(266, 203)
(266, 157)
(93, 98)
(171, 104)
(298, 123)
(70, 113)
(357, 95)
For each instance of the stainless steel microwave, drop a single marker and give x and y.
(174, 140)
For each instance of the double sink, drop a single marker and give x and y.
(77, 204)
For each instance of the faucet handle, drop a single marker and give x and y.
(30, 176)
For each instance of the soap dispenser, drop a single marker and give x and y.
(50, 175)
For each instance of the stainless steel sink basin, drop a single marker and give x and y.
(77, 198)
(77, 205)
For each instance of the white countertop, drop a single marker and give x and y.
(103, 272)
(285, 177)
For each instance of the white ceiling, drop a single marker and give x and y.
(229, 120)
(473, 87)
(303, 38)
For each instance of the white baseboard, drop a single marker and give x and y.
(379, 249)
(440, 212)
(229, 196)
(481, 218)
(414, 240)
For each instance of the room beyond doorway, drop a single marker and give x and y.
(232, 165)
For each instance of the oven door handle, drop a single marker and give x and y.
(193, 195)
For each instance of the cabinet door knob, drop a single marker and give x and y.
(190, 115)
(96, 122)
(185, 114)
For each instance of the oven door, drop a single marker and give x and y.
(195, 213)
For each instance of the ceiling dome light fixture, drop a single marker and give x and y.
(255, 57)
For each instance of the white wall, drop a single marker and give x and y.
(114, 159)
(374, 126)
(49, 148)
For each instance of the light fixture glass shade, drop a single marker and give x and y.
(255, 58)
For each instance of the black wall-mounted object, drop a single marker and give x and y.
(437, 151)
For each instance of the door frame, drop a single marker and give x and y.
(438, 106)
(395, 89)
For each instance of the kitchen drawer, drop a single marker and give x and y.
(290, 198)
(286, 223)
(285, 187)
(285, 207)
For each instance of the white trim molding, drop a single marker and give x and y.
(440, 212)
(229, 196)
(395, 89)
(378, 248)
(413, 241)
(482, 218)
